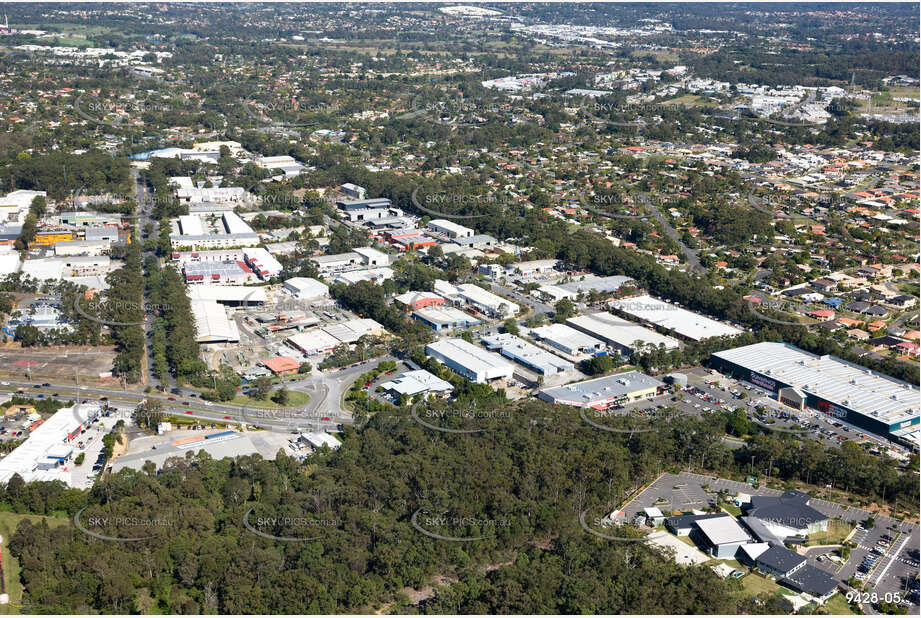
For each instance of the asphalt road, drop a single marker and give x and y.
(694, 263)
(532, 302)
(326, 391)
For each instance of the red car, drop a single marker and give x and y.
(186, 403)
(326, 418)
(188, 412)
(171, 399)
(226, 418)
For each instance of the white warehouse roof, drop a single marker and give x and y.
(306, 287)
(833, 379)
(567, 338)
(599, 392)
(722, 530)
(458, 353)
(528, 354)
(212, 323)
(190, 225)
(686, 323)
(228, 293)
(415, 382)
(235, 225)
(450, 228)
(34, 459)
(486, 299)
(612, 329)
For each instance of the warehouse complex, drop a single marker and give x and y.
(859, 396)
(417, 382)
(318, 340)
(567, 339)
(620, 334)
(487, 302)
(212, 324)
(466, 359)
(684, 323)
(602, 393)
(444, 318)
(45, 453)
(540, 361)
(306, 288)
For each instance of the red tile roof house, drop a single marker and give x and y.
(822, 314)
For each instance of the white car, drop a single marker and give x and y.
(208, 403)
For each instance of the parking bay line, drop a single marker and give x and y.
(891, 559)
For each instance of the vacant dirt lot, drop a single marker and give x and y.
(60, 362)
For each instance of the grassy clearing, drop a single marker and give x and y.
(837, 606)
(8, 524)
(731, 509)
(295, 399)
(835, 535)
(755, 584)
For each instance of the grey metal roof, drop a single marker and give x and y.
(599, 284)
(723, 530)
(790, 509)
(831, 378)
(780, 559)
(600, 389)
(685, 521)
(811, 580)
(760, 531)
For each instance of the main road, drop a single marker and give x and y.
(322, 412)
(694, 263)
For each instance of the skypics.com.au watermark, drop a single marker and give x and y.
(461, 417)
(446, 526)
(439, 203)
(289, 528)
(628, 421)
(118, 113)
(606, 205)
(287, 417)
(287, 112)
(97, 310)
(600, 111)
(457, 110)
(627, 533)
(107, 526)
(770, 304)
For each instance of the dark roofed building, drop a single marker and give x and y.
(811, 580)
(877, 311)
(887, 341)
(902, 301)
(779, 561)
(788, 514)
(824, 285)
(858, 306)
(683, 525)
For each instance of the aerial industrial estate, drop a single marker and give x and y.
(460, 309)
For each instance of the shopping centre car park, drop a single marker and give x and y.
(892, 572)
(836, 430)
